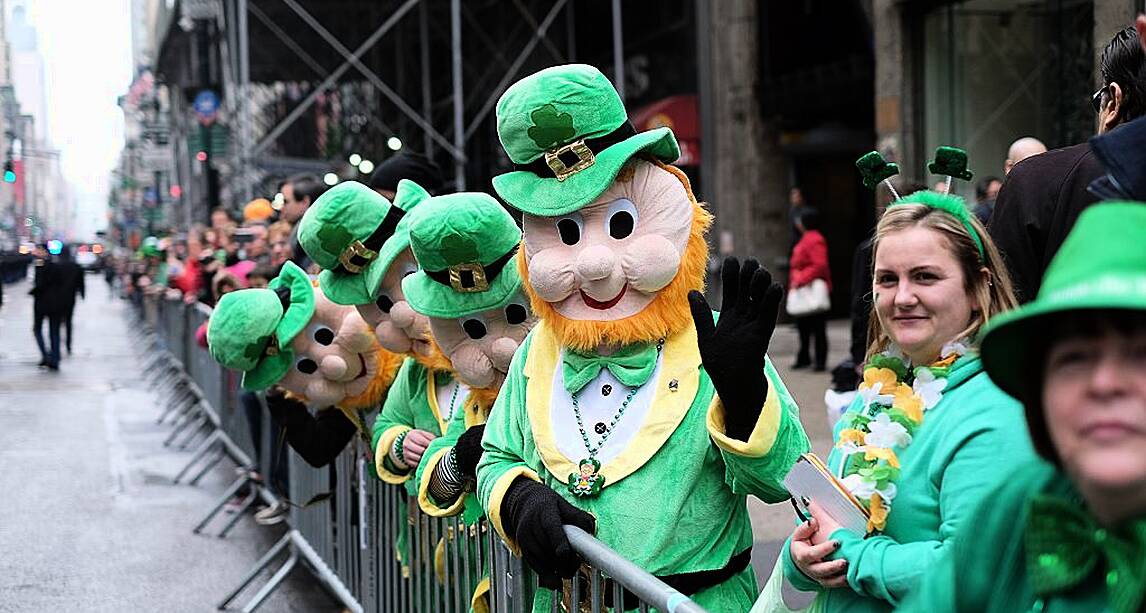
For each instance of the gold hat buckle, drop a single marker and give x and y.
(477, 275)
(585, 159)
(356, 249)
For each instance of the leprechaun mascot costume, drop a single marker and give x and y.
(290, 336)
(470, 290)
(625, 412)
(362, 242)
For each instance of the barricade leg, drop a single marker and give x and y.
(227, 495)
(219, 455)
(205, 447)
(239, 513)
(205, 427)
(189, 418)
(263, 562)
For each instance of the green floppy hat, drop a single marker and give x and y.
(566, 131)
(251, 329)
(354, 234)
(464, 244)
(1097, 268)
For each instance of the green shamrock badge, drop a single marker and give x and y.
(550, 127)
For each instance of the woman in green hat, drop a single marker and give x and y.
(1067, 533)
(928, 430)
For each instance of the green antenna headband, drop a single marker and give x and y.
(949, 161)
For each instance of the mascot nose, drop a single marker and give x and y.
(596, 263)
(502, 353)
(333, 367)
(402, 315)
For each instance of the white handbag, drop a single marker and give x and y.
(809, 299)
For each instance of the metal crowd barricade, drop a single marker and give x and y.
(344, 524)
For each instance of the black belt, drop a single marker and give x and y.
(377, 238)
(541, 168)
(687, 583)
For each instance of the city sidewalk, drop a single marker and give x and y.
(92, 521)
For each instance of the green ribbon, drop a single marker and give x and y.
(1064, 546)
(631, 365)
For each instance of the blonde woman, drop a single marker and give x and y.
(929, 432)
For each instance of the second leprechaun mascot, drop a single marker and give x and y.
(627, 411)
(471, 291)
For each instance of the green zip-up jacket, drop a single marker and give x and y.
(673, 500)
(966, 443)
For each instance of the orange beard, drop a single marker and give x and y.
(666, 315)
(482, 398)
(436, 361)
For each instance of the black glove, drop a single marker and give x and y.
(283, 409)
(534, 514)
(732, 351)
(467, 451)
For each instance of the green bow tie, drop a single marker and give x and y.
(1064, 546)
(631, 365)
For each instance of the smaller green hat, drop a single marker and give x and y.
(354, 234)
(1097, 268)
(464, 244)
(150, 248)
(251, 329)
(567, 133)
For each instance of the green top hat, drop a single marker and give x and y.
(1097, 268)
(464, 244)
(251, 329)
(566, 131)
(354, 234)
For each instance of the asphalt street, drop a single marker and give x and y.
(90, 519)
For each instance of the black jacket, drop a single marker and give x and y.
(1038, 205)
(56, 285)
(317, 438)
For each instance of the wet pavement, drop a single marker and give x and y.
(90, 518)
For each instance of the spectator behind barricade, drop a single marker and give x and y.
(796, 205)
(1044, 194)
(299, 192)
(261, 275)
(986, 191)
(231, 278)
(252, 241)
(1067, 534)
(1022, 149)
(278, 236)
(808, 265)
(934, 427)
(413, 166)
(221, 218)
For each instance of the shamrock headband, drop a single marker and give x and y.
(949, 161)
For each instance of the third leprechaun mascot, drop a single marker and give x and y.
(628, 411)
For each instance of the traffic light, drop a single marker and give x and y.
(9, 172)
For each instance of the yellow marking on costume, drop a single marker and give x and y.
(763, 434)
(680, 361)
(480, 600)
(877, 519)
(497, 495)
(382, 451)
(667, 314)
(425, 501)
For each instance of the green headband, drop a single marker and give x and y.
(948, 161)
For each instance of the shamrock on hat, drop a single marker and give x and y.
(464, 244)
(567, 133)
(251, 329)
(354, 234)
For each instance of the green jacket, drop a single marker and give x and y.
(674, 498)
(410, 404)
(964, 445)
(989, 553)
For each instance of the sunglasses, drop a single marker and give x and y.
(1096, 99)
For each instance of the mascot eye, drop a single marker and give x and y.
(515, 314)
(474, 328)
(384, 303)
(621, 218)
(306, 366)
(324, 335)
(570, 229)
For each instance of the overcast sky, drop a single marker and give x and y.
(86, 47)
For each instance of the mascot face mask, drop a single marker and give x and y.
(481, 345)
(398, 327)
(335, 355)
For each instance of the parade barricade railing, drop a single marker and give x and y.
(366, 541)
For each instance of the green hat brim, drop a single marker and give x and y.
(433, 299)
(548, 197)
(352, 289)
(268, 371)
(1008, 343)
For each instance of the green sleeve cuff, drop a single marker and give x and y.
(792, 573)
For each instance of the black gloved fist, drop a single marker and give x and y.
(467, 451)
(732, 351)
(534, 515)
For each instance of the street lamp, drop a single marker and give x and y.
(330, 179)
(355, 159)
(394, 143)
(366, 167)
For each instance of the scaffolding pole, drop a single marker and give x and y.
(459, 119)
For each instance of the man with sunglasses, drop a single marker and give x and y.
(1044, 194)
